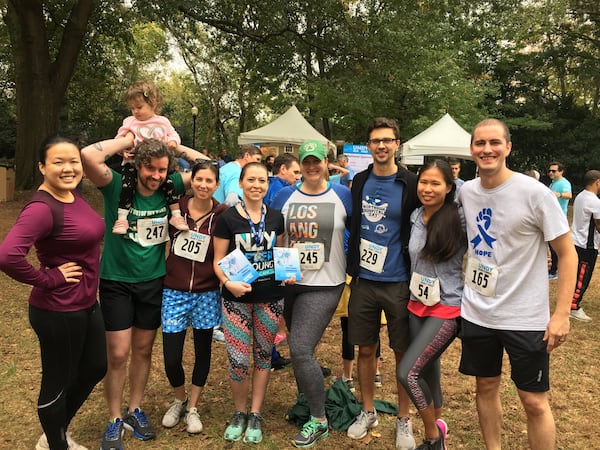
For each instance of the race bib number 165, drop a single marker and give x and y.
(481, 277)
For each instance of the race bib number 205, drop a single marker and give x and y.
(191, 245)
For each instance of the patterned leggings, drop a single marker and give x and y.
(240, 321)
(419, 371)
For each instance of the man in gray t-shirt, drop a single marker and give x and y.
(505, 304)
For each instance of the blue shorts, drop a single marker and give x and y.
(201, 310)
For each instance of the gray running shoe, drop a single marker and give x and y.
(363, 423)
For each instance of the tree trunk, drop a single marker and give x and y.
(40, 82)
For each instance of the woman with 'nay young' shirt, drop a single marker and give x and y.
(251, 311)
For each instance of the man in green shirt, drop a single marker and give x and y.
(131, 274)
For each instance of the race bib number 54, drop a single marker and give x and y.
(425, 289)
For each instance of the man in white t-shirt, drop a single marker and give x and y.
(505, 304)
(586, 237)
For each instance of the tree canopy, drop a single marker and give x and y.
(531, 63)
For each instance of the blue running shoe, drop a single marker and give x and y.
(236, 427)
(137, 422)
(112, 439)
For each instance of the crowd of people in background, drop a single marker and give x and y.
(438, 256)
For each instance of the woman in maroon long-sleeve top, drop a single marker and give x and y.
(63, 310)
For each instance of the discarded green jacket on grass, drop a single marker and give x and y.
(341, 407)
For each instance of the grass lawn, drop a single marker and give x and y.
(574, 394)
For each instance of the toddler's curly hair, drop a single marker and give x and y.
(147, 91)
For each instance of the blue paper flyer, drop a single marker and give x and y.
(287, 263)
(237, 267)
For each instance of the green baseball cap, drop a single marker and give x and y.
(312, 148)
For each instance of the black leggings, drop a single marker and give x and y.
(73, 353)
(587, 262)
(173, 356)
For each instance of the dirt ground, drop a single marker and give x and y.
(574, 393)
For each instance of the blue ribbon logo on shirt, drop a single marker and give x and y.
(484, 220)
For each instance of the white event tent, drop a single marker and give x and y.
(444, 138)
(289, 128)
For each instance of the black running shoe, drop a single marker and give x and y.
(137, 422)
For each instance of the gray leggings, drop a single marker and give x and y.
(419, 371)
(308, 310)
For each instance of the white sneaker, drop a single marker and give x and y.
(42, 443)
(194, 424)
(174, 413)
(404, 434)
(218, 336)
(579, 314)
(363, 423)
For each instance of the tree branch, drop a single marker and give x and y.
(238, 29)
(72, 40)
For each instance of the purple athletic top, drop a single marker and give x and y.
(78, 241)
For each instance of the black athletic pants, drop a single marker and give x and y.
(585, 268)
(73, 353)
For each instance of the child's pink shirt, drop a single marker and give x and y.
(157, 127)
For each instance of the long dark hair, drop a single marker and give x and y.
(445, 233)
